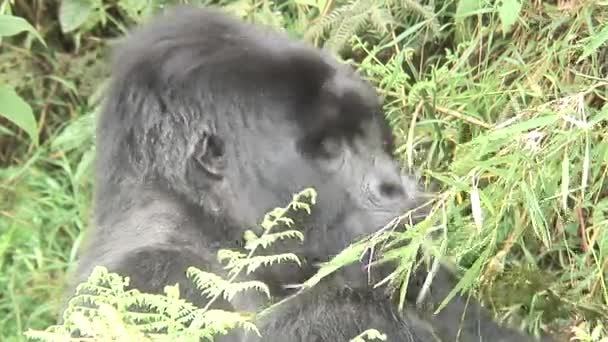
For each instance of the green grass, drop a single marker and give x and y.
(44, 210)
(509, 124)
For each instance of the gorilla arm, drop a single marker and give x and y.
(331, 311)
(461, 319)
(152, 268)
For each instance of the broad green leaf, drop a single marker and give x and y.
(508, 11)
(76, 134)
(74, 13)
(16, 110)
(594, 42)
(11, 25)
(466, 8)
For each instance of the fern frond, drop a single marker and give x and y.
(236, 288)
(219, 322)
(346, 30)
(231, 256)
(277, 215)
(380, 18)
(267, 260)
(297, 203)
(268, 239)
(327, 22)
(368, 335)
(209, 284)
(415, 7)
(404, 9)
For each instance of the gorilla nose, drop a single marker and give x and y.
(390, 189)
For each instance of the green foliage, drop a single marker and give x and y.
(501, 104)
(586, 333)
(466, 8)
(511, 132)
(104, 310)
(369, 335)
(594, 42)
(14, 108)
(508, 12)
(12, 25)
(74, 13)
(346, 20)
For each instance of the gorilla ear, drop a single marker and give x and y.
(210, 154)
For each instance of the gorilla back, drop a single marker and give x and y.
(208, 123)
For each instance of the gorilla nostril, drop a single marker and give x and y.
(391, 189)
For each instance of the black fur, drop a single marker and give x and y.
(210, 122)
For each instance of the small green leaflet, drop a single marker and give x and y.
(11, 25)
(508, 11)
(74, 13)
(18, 112)
(467, 8)
(594, 42)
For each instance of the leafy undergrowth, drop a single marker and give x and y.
(501, 108)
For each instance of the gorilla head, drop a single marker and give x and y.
(231, 119)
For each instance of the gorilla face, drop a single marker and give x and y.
(344, 153)
(359, 186)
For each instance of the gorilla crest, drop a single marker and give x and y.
(210, 122)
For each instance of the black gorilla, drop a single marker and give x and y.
(210, 122)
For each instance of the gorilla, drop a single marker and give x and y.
(210, 122)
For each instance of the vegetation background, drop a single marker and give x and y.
(501, 104)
